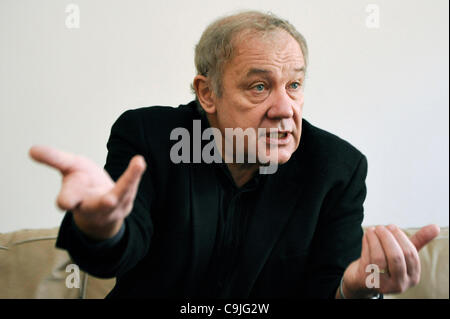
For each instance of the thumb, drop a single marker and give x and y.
(425, 235)
(130, 177)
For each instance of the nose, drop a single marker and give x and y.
(281, 106)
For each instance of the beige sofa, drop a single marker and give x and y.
(31, 267)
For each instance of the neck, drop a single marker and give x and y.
(242, 173)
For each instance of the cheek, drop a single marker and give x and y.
(227, 114)
(298, 115)
(257, 118)
(248, 117)
(299, 106)
(244, 113)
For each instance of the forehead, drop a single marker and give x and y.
(277, 49)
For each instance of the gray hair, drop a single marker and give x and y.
(217, 42)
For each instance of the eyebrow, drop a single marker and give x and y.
(256, 71)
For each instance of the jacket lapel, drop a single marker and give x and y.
(204, 213)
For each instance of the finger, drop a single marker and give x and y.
(393, 252)
(98, 206)
(73, 190)
(409, 251)
(51, 156)
(376, 251)
(424, 236)
(365, 251)
(130, 178)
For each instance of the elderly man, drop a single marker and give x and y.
(226, 229)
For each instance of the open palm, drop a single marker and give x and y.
(98, 204)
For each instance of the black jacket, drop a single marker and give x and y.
(305, 229)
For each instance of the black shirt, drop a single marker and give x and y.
(236, 211)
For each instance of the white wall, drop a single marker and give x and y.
(385, 90)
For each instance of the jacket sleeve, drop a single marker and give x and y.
(114, 257)
(338, 238)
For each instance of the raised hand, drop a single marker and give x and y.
(395, 255)
(99, 205)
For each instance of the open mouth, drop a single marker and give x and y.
(277, 135)
(277, 138)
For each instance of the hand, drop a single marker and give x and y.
(99, 205)
(396, 256)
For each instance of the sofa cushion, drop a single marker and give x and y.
(31, 267)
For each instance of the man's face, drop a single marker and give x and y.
(263, 88)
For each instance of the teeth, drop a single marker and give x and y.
(278, 135)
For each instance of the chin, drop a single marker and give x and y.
(283, 157)
(279, 155)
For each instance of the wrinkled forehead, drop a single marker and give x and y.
(244, 35)
(251, 48)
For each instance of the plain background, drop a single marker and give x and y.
(384, 89)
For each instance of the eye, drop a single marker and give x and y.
(259, 87)
(295, 85)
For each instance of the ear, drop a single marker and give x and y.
(205, 94)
